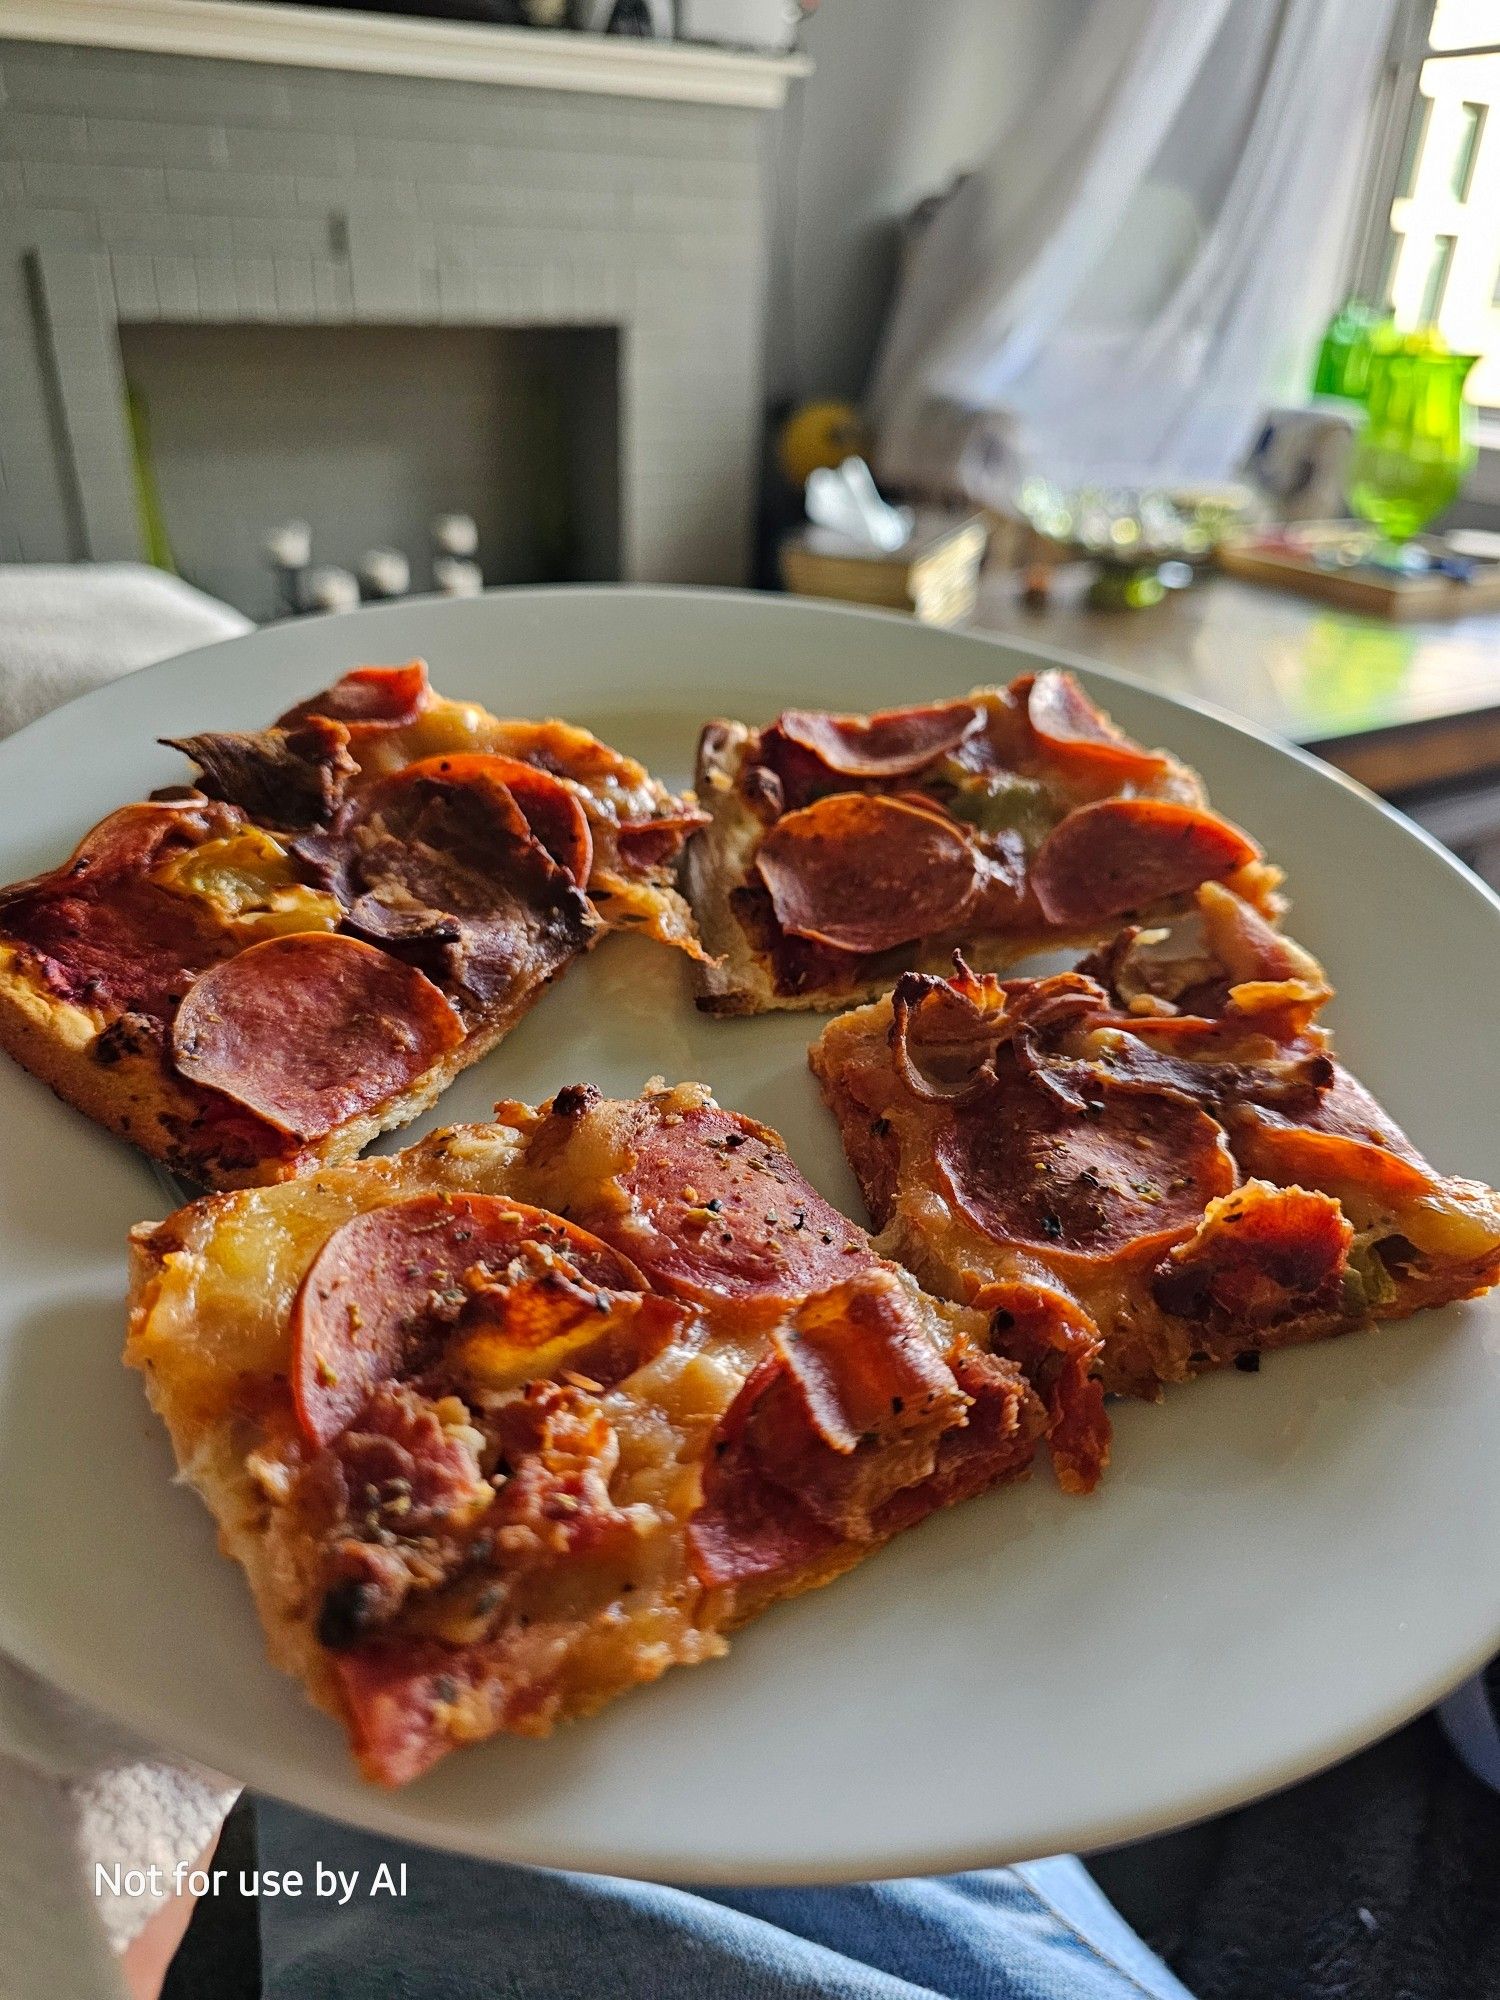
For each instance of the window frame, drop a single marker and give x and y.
(1396, 94)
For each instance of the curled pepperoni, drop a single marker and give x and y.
(892, 744)
(310, 1030)
(1126, 854)
(1260, 1257)
(1133, 1171)
(865, 873)
(721, 1212)
(1077, 732)
(647, 844)
(1058, 1346)
(861, 1366)
(552, 812)
(388, 1279)
(840, 1418)
(370, 698)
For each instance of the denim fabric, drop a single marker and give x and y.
(467, 1930)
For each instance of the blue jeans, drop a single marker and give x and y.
(467, 1930)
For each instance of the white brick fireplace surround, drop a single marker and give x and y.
(180, 164)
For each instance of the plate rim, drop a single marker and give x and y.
(385, 1812)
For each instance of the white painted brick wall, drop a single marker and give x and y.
(139, 187)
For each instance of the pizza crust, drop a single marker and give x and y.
(209, 1330)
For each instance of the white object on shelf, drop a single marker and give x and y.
(455, 534)
(385, 573)
(397, 45)
(290, 545)
(330, 589)
(456, 577)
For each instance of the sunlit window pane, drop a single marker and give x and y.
(1471, 128)
(1465, 24)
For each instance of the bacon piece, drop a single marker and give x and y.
(865, 873)
(401, 1490)
(721, 1212)
(369, 698)
(1078, 733)
(1124, 1177)
(409, 1698)
(1260, 1256)
(892, 744)
(311, 1029)
(1341, 1139)
(1058, 1346)
(390, 1280)
(294, 778)
(102, 932)
(1126, 854)
(552, 812)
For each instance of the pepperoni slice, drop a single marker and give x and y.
(865, 873)
(1078, 733)
(370, 698)
(1260, 1257)
(645, 844)
(552, 812)
(312, 1029)
(861, 1366)
(997, 1442)
(440, 865)
(102, 931)
(384, 1282)
(840, 1418)
(892, 744)
(1345, 1140)
(1126, 854)
(721, 1212)
(1094, 1185)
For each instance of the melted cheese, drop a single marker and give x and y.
(248, 879)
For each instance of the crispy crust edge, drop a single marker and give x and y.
(1138, 1369)
(138, 1100)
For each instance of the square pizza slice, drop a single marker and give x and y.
(1164, 1136)
(256, 973)
(842, 850)
(507, 1423)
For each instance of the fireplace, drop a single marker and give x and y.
(367, 433)
(361, 270)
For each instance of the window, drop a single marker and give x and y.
(1432, 236)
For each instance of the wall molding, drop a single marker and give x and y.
(391, 45)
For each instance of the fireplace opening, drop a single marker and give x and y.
(369, 432)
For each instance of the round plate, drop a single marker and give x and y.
(1277, 1568)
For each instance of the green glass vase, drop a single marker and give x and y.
(1414, 453)
(1344, 357)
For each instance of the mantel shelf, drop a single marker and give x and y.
(396, 45)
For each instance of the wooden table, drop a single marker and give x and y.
(1411, 710)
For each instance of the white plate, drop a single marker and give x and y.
(1277, 1569)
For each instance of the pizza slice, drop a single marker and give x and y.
(507, 1423)
(1165, 1137)
(254, 974)
(842, 850)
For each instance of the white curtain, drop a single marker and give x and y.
(1145, 260)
